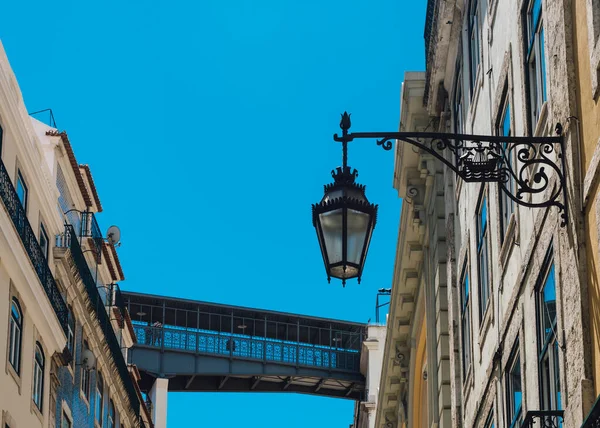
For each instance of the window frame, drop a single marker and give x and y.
(85, 381)
(465, 324)
(514, 414)
(14, 352)
(111, 420)
(535, 62)
(489, 422)
(505, 201)
(549, 386)
(39, 367)
(474, 42)
(71, 329)
(99, 399)
(484, 289)
(23, 183)
(67, 418)
(44, 247)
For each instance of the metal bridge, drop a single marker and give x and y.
(200, 346)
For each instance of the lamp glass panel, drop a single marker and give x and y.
(358, 223)
(331, 224)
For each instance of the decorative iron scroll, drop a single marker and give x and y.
(543, 419)
(530, 170)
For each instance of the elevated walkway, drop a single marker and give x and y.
(200, 346)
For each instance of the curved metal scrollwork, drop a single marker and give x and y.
(530, 170)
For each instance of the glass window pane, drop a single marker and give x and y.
(331, 223)
(543, 65)
(21, 190)
(358, 223)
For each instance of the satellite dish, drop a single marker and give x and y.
(88, 359)
(113, 235)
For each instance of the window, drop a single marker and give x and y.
(38, 376)
(22, 190)
(474, 41)
(66, 421)
(458, 102)
(489, 423)
(44, 243)
(483, 257)
(111, 415)
(99, 398)
(1, 135)
(513, 389)
(85, 376)
(15, 332)
(548, 343)
(536, 60)
(507, 205)
(465, 322)
(71, 334)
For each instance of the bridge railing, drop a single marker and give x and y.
(247, 347)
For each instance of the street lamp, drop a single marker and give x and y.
(530, 170)
(344, 221)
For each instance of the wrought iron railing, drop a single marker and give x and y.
(257, 348)
(543, 419)
(97, 305)
(90, 229)
(593, 418)
(32, 247)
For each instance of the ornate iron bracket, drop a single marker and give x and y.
(524, 167)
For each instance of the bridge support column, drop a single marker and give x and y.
(158, 395)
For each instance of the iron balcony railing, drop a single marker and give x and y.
(543, 419)
(247, 347)
(593, 418)
(97, 305)
(32, 247)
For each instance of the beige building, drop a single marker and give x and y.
(64, 330)
(586, 44)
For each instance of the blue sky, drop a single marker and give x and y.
(207, 126)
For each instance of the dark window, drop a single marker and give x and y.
(548, 343)
(44, 243)
(85, 376)
(465, 302)
(489, 423)
(66, 421)
(536, 60)
(474, 25)
(507, 205)
(111, 415)
(458, 107)
(71, 334)
(99, 398)
(483, 256)
(22, 190)
(38, 377)
(15, 335)
(514, 390)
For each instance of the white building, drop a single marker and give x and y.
(58, 291)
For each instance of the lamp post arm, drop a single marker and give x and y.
(530, 170)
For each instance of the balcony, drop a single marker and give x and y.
(593, 418)
(97, 305)
(32, 247)
(543, 419)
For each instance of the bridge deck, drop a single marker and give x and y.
(204, 346)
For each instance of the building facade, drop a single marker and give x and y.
(509, 300)
(65, 329)
(586, 30)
